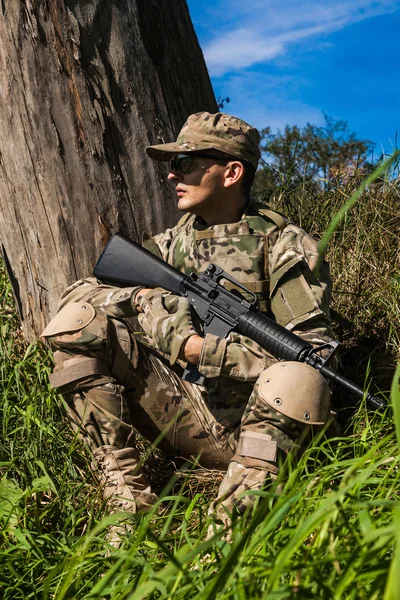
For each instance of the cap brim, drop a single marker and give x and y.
(167, 151)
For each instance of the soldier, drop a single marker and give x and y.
(116, 381)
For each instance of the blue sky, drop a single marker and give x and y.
(285, 62)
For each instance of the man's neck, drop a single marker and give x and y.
(234, 215)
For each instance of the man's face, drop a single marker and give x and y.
(201, 190)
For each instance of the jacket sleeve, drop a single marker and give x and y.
(236, 357)
(115, 302)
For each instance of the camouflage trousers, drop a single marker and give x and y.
(114, 385)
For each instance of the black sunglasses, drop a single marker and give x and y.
(185, 163)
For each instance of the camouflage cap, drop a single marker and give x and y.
(206, 131)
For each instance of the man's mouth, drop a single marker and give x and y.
(180, 192)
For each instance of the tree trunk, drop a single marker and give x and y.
(85, 86)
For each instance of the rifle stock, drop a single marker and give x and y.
(124, 263)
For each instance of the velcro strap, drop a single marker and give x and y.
(221, 232)
(150, 244)
(76, 369)
(276, 218)
(183, 220)
(257, 445)
(253, 286)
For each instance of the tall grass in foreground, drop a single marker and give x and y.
(332, 533)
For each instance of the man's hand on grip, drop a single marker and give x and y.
(166, 320)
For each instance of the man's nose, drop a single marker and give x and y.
(175, 176)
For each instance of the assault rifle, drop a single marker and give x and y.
(125, 263)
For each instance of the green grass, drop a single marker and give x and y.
(332, 533)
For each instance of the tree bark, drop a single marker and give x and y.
(85, 86)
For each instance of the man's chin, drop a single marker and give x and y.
(183, 204)
(186, 205)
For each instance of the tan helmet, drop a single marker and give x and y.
(297, 391)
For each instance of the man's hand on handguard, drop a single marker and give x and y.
(166, 320)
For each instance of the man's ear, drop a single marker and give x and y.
(234, 172)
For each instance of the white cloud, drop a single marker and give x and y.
(267, 29)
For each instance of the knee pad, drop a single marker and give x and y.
(75, 330)
(90, 344)
(297, 391)
(77, 327)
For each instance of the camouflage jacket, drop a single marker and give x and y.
(268, 255)
(274, 259)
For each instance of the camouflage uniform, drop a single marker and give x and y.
(128, 384)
